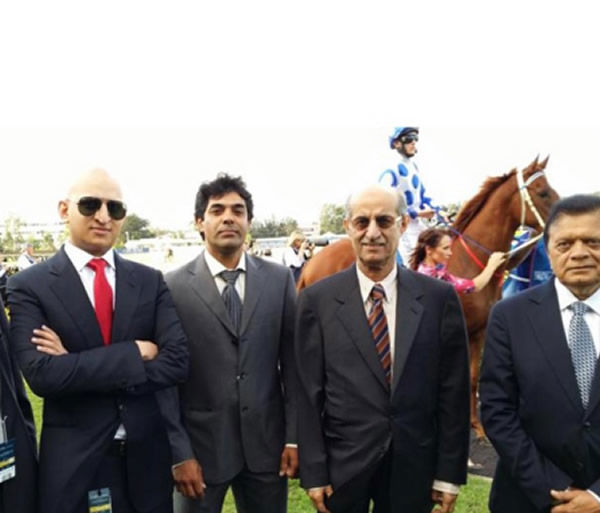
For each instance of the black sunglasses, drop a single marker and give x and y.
(89, 205)
(384, 222)
(407, 139)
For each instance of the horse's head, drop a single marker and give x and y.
(536, 196)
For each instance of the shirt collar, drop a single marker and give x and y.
(215, 267)
(80, 258)
(366, 284)
(566, 298)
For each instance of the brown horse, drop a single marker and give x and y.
(486, 223)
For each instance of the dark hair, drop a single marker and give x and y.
(429, 238)
(220, 186)
(571, 206)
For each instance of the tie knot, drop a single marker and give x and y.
(579, 308)
(230, 276)
(377, 293)
(97, 264)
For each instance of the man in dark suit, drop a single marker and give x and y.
(98, 337)
(383, 403)
(540, 396)
(18, 481)
(239, 401)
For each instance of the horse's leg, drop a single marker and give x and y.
(476, 348)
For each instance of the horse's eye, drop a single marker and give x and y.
(543, 194)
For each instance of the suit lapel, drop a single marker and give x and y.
(550, 335)
(203, 285)
(126, 299)
(408, 316)
(68, 289)
(351, 314)
(254, 286)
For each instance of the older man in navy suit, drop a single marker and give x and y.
(98, 337)
(540, 385)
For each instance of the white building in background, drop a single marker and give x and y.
(34, 231)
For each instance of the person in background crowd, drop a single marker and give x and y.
(297, 253)
(27, 258)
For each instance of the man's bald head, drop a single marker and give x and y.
(93, 231)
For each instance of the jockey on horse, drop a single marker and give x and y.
(406, 177)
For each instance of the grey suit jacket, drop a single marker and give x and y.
(239, 401)
(348, 416)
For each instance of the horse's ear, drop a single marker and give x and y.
(542, 165)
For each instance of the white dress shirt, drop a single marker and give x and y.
(215, 267)
(566, 299)
(80, 258)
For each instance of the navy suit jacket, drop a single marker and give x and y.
(530, 405)
(239, 404)
(348, 417)
(90, 391)
(19, 493)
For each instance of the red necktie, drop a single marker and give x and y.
(103, 298)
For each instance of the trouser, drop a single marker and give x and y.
(112, 474)
(253, 493)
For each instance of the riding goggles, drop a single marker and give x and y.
(407, 139)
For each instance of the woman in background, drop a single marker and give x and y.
(431, 255)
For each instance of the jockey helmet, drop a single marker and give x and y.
(399, 131)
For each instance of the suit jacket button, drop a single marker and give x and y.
(587, 425)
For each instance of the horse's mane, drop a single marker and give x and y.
(470, 209)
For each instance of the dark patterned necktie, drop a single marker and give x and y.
(379, 330)
(103, 298)
(231, 297)
(583, 352)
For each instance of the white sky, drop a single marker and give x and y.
(298, 98)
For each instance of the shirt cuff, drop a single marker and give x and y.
(595, 495)
(293, 446)
(445, 487)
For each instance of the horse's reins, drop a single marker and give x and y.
(526, 201)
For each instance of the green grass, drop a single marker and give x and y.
(472, 499)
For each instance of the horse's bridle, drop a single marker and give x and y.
(526, 201)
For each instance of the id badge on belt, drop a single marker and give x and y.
(8, 468)
(99, 501)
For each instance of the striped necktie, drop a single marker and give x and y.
(379, 330)
(583, 352)
(231, 298)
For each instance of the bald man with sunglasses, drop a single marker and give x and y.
(98, 338)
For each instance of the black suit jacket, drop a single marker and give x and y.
(530, 405)
(90, 391)
(348, 417)
(19, 493)
(239, 401)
